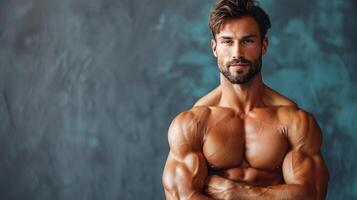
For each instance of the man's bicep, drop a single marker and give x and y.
(306, 171)
(304, 165)
(186, 169)
(184, 177)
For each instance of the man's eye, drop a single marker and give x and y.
(227, 41)
(246, 41)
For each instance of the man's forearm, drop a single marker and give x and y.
(198, 196)
(285, 191)
(193, 196)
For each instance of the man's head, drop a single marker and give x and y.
(239, 28)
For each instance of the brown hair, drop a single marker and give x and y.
(230, 9)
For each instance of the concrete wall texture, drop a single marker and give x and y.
(89, 87)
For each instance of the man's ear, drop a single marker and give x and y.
(214, 46)
(265, 44)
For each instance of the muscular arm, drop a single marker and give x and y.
(304, 170)
(185, 170)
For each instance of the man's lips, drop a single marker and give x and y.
(239, 65)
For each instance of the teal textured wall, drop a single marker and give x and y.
(89, 87)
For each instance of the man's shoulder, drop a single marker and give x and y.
(274, 98)
(302, 127)
(298, 119)
(293, 113)
(195, 115)
(186, 131)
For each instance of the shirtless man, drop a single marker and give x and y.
(243, 140)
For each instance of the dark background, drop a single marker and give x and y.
(89, 87)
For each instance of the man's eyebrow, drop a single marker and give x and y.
(244, 37)
(225, 37)
(249, 36)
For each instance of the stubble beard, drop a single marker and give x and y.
(254, 67)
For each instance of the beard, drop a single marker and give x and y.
(241, 77)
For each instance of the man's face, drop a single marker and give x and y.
(239, 48)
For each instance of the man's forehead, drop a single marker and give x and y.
(240, 27)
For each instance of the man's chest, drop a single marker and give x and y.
(258, 141)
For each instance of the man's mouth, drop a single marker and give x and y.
(239, 65)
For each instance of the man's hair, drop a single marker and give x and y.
(233, 9)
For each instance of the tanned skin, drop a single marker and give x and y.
(244, 141)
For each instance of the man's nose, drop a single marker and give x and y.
(238, 51)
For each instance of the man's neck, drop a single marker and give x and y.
(242, 97)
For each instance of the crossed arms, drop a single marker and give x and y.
(186, 172)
